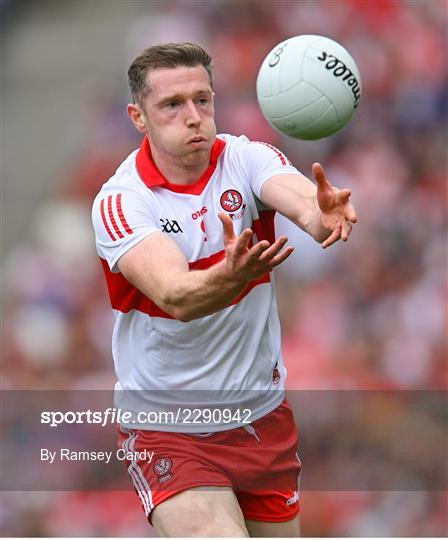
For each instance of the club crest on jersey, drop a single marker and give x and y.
(162, 468)
(232, 201)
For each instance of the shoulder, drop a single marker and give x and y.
(237, 148)
(234, 143)
(241, 147)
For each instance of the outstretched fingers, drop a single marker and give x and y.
(320, 177)
(334, 237)
(257, 250)
(275, 254)
(227, 224)
(269, 255)
(350, 214)
(273, 249)
(343, 195)
(282, 256)
(242, 242)
(341, 232)
(346, 230)
(257, 259)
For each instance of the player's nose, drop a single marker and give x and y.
(192, 114)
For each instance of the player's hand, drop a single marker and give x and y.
(249, 263)
(338, 214)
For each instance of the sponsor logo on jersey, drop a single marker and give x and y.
(199, 213)
(294, 499)
(231, 200)
(162, 468)
(170, 226)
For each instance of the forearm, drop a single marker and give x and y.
(198, 293)
(295, 197)
(311, 221)
(159, 269)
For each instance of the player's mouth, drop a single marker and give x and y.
(198, 141)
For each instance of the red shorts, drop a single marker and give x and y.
(258, 461)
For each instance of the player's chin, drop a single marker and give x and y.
(197, 156)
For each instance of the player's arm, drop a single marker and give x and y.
(319, 209)
(158, 268)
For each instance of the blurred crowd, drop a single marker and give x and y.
(369, 314)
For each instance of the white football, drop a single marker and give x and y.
(308, 87)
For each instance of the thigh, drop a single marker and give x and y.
(285, 529)
(200, 512)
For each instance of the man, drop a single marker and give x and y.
(185, 234)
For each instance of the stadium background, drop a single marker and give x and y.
(369, 314)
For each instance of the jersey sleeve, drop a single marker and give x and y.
(121, 219)
(261, 161)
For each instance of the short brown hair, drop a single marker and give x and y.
(169, 55)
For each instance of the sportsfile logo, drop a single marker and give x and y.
(170, 226)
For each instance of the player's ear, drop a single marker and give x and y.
(137, 117)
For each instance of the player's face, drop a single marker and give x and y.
(179, 114)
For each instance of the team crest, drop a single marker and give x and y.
(162, 468)
(231, 200)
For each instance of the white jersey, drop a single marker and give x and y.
(236, 350)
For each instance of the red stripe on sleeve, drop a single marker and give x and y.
(103, 215)
(121, 216)
(112, 218)
(282, 157)
(279, 154)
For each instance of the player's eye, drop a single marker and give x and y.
(172, 104)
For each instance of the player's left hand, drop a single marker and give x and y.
(338, 214)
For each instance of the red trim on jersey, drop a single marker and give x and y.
(112, 219)
(121, 216)
(283, 158)
(151, 175)
(264, 226)
(125, 297)
(103, 215)
(206, 262)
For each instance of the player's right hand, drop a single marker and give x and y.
(250, 263)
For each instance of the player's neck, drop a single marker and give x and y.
(175, 171)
